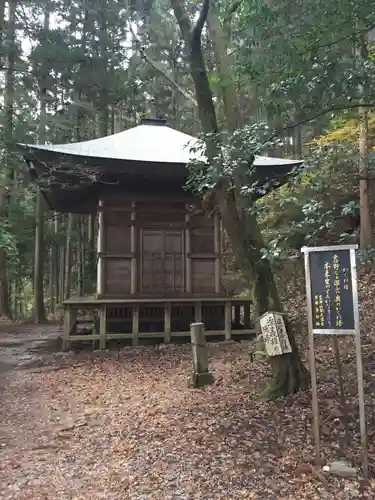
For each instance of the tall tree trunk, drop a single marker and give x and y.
(20, 300)
(51, 283)
(366, 226)
(39, 308)
(2, 18)
(5, 308)
(367, 236)
(91, 244)
(52, 268)
(55, 265)
(62, 260)
(79, 257)
(289, 373)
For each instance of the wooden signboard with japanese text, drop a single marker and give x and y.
(331, 291)
(332, 309)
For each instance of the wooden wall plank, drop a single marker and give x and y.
(118, 276)
(203, 276)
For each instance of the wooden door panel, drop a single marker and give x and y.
(162, 261)
(173, 263)
(152, 242)
(173, 242)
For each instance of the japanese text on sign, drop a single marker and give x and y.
(331, 290)
(274, 334)
(337, 292)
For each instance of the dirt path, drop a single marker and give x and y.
(125, 426)
(25, 346)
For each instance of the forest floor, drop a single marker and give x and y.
(124, 425)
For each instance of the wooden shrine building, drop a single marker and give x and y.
(158, 256)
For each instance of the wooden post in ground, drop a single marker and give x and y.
(200, 376)
(135, 323)
(70, 320)
(228, 320)
(102, 326)
(167, 323)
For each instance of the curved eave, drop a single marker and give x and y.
(82, 197)
(51, 151)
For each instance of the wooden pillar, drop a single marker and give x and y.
(246, 315)
(228, 320)
(102, 326)
(217, 250)
(167, 323)
(198, 312)
(135, 326)
(201, 376)
(134, 251)
(70, 319)
(189, 287)
(100, 285)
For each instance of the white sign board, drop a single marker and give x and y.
(274, 334)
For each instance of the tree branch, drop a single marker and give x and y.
(343, 38)
(231, 11)
(17, 70)
(158, 68)
(322, 113)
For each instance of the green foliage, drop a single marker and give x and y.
(289, 63)
(301, 60)
(234, 159)
(319, 206)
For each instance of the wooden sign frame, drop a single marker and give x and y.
(349, 325)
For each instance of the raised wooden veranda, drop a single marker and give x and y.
(166, 319)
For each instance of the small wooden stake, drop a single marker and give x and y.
(135, 338)
(228, 320)
(167, 323)
(102, 326)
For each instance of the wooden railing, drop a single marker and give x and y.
(138, 318)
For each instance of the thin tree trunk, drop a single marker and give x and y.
(5, 309)
(78, 257)
(55, 265)
(39, 308)
(51, 280)
(62, 271)
(366, 226)
(68, 258)
(91, 254)
(20, 300)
